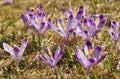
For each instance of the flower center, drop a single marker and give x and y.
(51, 54)
(117, 30)
(90, 52)
(40, 19)
(65, 25)
(34, 11)
(75, 11)
(85, 27)
(97, 21)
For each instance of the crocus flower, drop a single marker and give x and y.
(36, 17)
(16, 52)
(118, 66)
(49, 59)
(89, 27)
(65, 29)
(114, 31)
(78, 14)
(8, 2)
(90, 57)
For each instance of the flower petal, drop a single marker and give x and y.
(87, 47)
(57, 30)
(118, 66)
(81, 57)
(69, 23)
(80, 13)
(43, 59)
(58, 54)
(23, 46)
(113, 34)
(101, 58)
(97, 51)
(16, 52)
(9, 49)
(25, 20)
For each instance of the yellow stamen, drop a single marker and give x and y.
(75, 11)
(65, 31)
(85, 27)
(64, 25)
(34, 11)
(117, 30)
(51, 54)
(90, 52)
(40, 19)
(97, 21)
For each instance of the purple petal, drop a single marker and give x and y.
(87, 47)
(60, 24)
(69, 33)
(119, 36)
(69, 23)
(45, 55)
(81, 57)
(52, 62)
(86, 35)
(57, 30)
(58, 54)
(101, 58)
(97, 51)
(118, 66)
(112, 34)
(23, 46)
(102, 22)
(65, 12)
(9, 49)
(43, 59)
(113, 23)
(95, 32)
(80, 14)
(16, 52)
(92, 62)
(25, 20)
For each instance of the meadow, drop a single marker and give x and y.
(13, 30)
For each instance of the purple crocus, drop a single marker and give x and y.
(49, 59)
(114, 31)
(90, 57)
(36, 17)
(78, 14)
(16, 52)
(65, 29)
(89, 27)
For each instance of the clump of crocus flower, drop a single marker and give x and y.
(16, 52)
(89, 27)
(77, 13)
(65, 29)
(49, 59)
(36, 18)
(90, 57)
(114, 31)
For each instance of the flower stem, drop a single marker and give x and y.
(17, 68)
(56, 73)
(116, 47)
